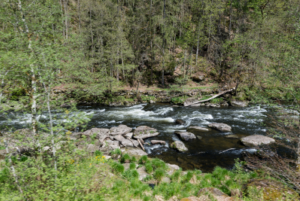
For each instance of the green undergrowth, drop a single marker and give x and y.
(94, 177)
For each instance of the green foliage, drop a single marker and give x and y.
(217, 100)
(132, 166)
(143, 159)
(125, 158)
(149, 168)
(159, 174)
(118, 168)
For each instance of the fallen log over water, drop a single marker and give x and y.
(215, 96)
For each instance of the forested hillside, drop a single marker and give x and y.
(110, 44)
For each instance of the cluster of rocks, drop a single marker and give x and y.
(250, 141)
(121, 136)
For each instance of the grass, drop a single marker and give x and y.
(96, 178)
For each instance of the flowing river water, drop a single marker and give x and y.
(214, 149)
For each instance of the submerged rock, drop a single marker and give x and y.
(256, 140)
(236, 103)
(179, 146)
(221, 127)
(232, 136)
(180, 121)
(185, 135)
(198, 128)
(143, 132)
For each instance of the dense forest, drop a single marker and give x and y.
(113, 43)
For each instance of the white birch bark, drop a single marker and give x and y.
(33, 78)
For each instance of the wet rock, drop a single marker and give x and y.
(199, 137)
(179, 146)
(216, 193)
(143, 132)
(198, 128)
(120, 130)
(212, 105)
(135, 152)
(256, 140)
(185, 135)
(272, 190)
(236, 103)
(180, 121)
(221, 127)
(224, 104)
(158, 142)
(232, 136)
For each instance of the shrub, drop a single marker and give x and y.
(118, 168)
(132, 166)
(125, 158)
(159, 174)
(143, 159)
(149, 168)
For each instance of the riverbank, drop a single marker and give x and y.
(126, 174)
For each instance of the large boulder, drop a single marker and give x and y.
(120, 130)
(179, 146)
(236, 103)
(134, 152)
(220, 126)
(256, 140)
(123, 141)
(185, 135)
(143, 132)
(198, 128)
(198, 78)
(95, 132)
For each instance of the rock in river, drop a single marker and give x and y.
(143, 132)
(221, 127)
(180, 121)
(185, 135)
(256, 140)
(158, 142)
(198, 128)
(179, 146)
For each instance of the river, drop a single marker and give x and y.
(204, 154)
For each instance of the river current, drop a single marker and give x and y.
(214, 149)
